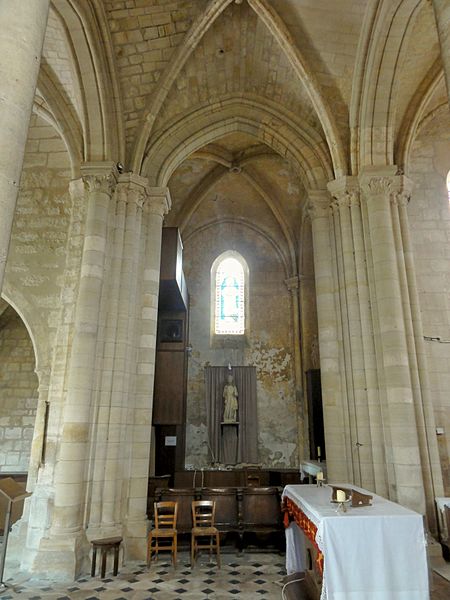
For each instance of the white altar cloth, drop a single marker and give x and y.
(374, 552)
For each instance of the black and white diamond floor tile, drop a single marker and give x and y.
(246, 577)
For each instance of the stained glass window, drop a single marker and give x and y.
(230, 298)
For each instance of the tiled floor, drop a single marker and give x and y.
(242, 576)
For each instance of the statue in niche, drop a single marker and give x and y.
(230, 397)
(315, 356)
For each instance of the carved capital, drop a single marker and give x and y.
(318, 204)
(100, 177)
(345, 191)
(157, 201)
(397, 188)
(377, 186)
(403, 198)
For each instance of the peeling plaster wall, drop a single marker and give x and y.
(429, 214)
(269, 344)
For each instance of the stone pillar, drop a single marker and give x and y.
(21, 40)
(64, 551)
(139, 417)
(35, 523)
(426, 425)
(403, 459)
(338, 460)
(345, 193)
(442, 16)
(375, 418)
(293, 285)
(131, 191)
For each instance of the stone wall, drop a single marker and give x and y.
(18, 393)
(429, 213)
(268, 346)
(37, 253)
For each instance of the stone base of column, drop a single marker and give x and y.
(135, 538)
(26, 534)
(62, 558)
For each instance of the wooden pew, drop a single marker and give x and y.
(241, 510)
(184, 497)
(226, 507)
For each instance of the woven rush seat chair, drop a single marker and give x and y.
(204, 535)
(163, 537)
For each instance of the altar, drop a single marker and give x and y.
(375, 552)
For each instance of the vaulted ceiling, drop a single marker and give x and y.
(240, 101)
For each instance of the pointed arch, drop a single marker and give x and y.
(266, 121)
(277, 27)
(198, 29)
(244, 223)
(61, 116)
(280, 32)
(387, 28)
(260, 185)
(35, 330)
(88, 36)
(415, 113)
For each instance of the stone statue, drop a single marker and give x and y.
(230, 396)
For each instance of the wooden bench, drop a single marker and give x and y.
(240, 510)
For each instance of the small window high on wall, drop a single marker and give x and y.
(229, 282)
(448, 186)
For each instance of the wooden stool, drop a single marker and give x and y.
(105, 545)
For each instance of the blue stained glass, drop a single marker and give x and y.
(230, 298)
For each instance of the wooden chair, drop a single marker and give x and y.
(203, 514)
(165, 530)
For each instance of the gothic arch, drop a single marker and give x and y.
(306, 76)
(60, 116)
(265, 121)
(416, 112)
(386, 29)
(36, 331)
(259, 184)
(281, 34)
(244, 223)
(89, 41)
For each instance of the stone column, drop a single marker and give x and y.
(41, 474)
(293, 285)
(67, 542)
(402, 452)
(132, 188)
(426, 426)
(139, 418)
(345, 192)
(375, 418)
(327, 316)
(21, 40)
(442, 16)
